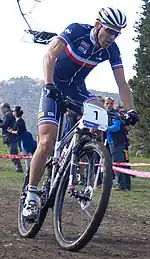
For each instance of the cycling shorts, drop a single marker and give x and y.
(49, 111)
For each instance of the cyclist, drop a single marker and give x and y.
(70, 58)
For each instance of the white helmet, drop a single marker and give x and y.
(113, 17)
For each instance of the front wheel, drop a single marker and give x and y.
(78, 216)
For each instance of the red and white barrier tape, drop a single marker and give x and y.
(131, 164)
(132, 172)
(15, 156)
(20, 156)
(115, 168)
(137, 173)
(120, 164)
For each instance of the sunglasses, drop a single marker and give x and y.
(111, 31)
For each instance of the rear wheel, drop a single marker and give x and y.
(78, 216)
(29, 229)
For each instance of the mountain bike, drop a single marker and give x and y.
(77, 210)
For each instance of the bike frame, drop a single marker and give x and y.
(58, 166)
(61, 142)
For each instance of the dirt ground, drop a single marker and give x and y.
(125, 236)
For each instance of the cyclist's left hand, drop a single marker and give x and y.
(51, 91)
(132, 117)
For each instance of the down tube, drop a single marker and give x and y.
(57, 179)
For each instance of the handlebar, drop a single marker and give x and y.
(67, 102)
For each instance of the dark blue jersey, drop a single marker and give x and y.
(81, 54)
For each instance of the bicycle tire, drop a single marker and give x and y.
(100, 210)
(35, 227)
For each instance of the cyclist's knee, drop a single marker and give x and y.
(47, 137)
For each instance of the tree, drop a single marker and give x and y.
(140, 83)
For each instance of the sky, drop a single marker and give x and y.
(21, 58)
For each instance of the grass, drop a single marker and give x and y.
(141, 160)
(135, 201)
(8, 177)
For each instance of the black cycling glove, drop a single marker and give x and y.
(52, 91)
(132, 117)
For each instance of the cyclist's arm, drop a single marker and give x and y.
(117, 67)
(56, 48)
(124, 90)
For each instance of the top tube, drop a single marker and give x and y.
(68, 103)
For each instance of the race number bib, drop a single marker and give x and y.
(95, 117)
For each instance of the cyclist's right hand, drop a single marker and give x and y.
(132, 117)
(52, 91)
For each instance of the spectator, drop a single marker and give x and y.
(109, 104)
(10, 140)
(28, 144)
(117, 141)
(122, 112)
